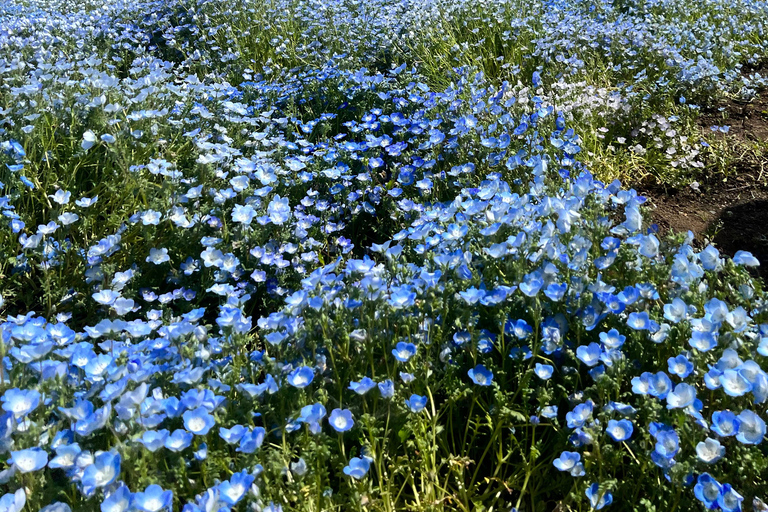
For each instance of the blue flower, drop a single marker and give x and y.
(416, 403)
(387, 388)
(708, 490)
(480, 375)
(404, 351)
(612, 339)
(357, 467)
(153, 499)
(531, 284)
(710, 450)
(341, 420)
(725, 423)
(677, 311)
(589, 354)
(29, 460)
(567, 461)
(104, 470)
(734, 383)
(198, 421)
(683, 396)
(667, 443)
(745, 258)
(301, 377)
(279, 210)
(117, 501)
(20, 402)
(730, 500)
(235, 434)
(597, 499)
(252, 440)
(179, 440)
(619, 430)
(13, 501)
(233, 490)
(680, 366)
(642, 322)
(543, 371)
(579, 415)
(153, 440)
(751, 428)
(365, 385)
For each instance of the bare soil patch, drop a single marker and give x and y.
(732, 213)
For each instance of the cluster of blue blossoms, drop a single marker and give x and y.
(347, 288)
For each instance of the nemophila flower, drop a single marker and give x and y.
(730, 500)
(620, 430)
(234, 489)
(598, 499)
(473, 295)
(710, 258)
(402, 297)
(641, 322)
(179, 440)
(243, 214)
(549, 411)
(680, 366)
(710, 451)
(153, 499)
(589, 354)
(416, 403)
(341, 420)
(543, 371)
(158, 256)
(481, 375)
(362, 387)
(660, 385)
(13, 501)
(579, 415)
(198, 421)
(708, 490)
(567, 461)
(357, 467)
(520, 329)
(725, 423)
(667, 443)
(20, 402)
(734, 383)
(531, 284)
(252, 440)
(66, 455)
(387, 388)
(404, 351)
(612, 339)
(119, 500)
(677, 311)
(29, 460)
(104, 470)
(153, 440)
(682, 396)
(751, 428)
(234, 434)
(745, 258)
(300, 377)
(279, 210)
(105, 297)
(202, 452)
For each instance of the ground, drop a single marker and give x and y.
(729, 208)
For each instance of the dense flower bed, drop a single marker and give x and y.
(245, 270)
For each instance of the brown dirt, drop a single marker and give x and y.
(732, 213)
(748, 121)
